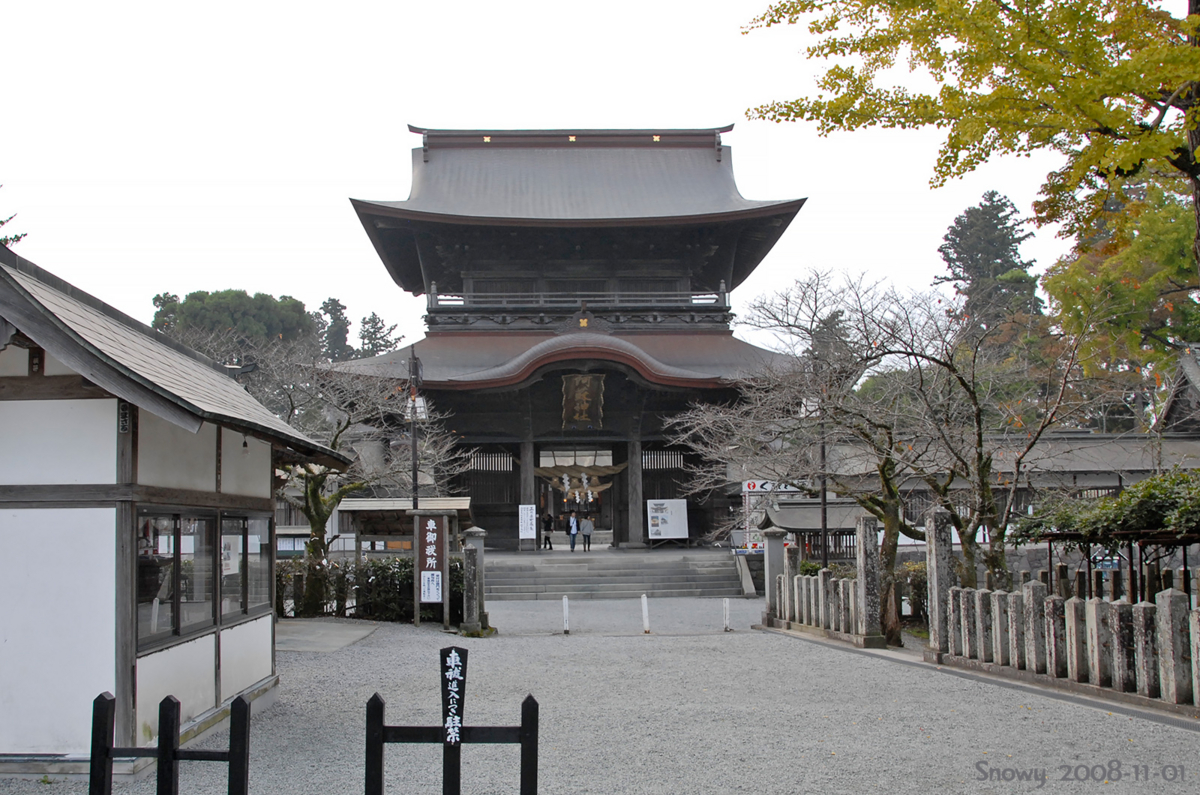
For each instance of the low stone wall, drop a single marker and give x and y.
(844, 608)
(1105, 646)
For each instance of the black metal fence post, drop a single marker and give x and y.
(529, 745)
(239, 746)
(168, 746)
(374, 772)
(104, 711)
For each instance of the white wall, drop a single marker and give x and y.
(57, 637)
(171, 457)
(59, 441)
(55, 367)
(14, 361)
(245, 465)
(187, 671)
(245, 655)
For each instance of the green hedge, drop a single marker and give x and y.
(378, 589)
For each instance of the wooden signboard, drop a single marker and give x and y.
(431, 557)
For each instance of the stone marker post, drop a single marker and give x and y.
(1076, 633)
(970, 641)
(1099, 615)
(1194, 627)
(845, 590)
(983, 624)
(867, 583)
(1016, 629)
(1145, 649)
(938, 540)
(773, 560)
(474, 537)
(1056, 636)
(470, 624)
(954, 621)
(1124, 659)
(1034, 597)
(1174, 646)
(1000, 646)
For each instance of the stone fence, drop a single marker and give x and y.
(1103, 646)
(843, 608)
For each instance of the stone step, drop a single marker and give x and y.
(611, 594)
(592, 587)
(612, 577)
(609, 576)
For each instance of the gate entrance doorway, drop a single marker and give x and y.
(581, 479)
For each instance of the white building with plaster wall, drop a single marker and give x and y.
(136, 516)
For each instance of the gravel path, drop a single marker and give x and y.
(687, 709)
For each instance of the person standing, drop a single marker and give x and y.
(573, 528)
(547, 529)
(586, 526)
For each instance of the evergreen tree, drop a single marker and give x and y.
(9, 240)
(376, 336)
(981, 254)
(249, 317)
(335, 337)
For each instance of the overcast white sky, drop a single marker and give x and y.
(169, 147)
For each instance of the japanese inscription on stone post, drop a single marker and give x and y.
(431, 557)
(454, 691)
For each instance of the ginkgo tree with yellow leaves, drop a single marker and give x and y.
(1112, 86)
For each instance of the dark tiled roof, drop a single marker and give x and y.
(468, 360)
(131, 360)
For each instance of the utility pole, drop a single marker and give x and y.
(414, 381)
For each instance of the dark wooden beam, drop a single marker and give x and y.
(92, 493)
(49, 387)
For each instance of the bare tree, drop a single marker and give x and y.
(367, 417)
(900, 390)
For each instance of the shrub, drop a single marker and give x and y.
(381, 589)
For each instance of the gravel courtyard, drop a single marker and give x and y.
(686, 709)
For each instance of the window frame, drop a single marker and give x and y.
(246, 612)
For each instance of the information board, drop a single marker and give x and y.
(666, 519)
(527, 521)
(431, 557)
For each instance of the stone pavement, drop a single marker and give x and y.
(686, 709)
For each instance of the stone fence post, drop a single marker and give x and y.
(773, 561)
(866, 623)
(1174, 646)
(474, 537)
(938, 540)
(470, 624)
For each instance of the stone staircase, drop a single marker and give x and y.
(610, 576)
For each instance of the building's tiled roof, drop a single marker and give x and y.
(465, 360)
(146, 358)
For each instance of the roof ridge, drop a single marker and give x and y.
(57, 283)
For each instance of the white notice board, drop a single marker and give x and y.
(527, 521)
(666, 519)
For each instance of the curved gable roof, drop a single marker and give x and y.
(131, 360)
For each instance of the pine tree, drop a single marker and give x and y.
(981, 253)
(335, 337)
(9, 240)
(376, 337)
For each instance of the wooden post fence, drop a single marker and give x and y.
(451, 734)
(168, 753)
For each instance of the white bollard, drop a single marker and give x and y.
(645, 615)
(566, 619)
(727, 627)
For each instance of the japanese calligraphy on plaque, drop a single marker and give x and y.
(454, 691)
(430, 542)
(583, 402)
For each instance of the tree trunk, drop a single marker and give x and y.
(970, 552)
(889, 617)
